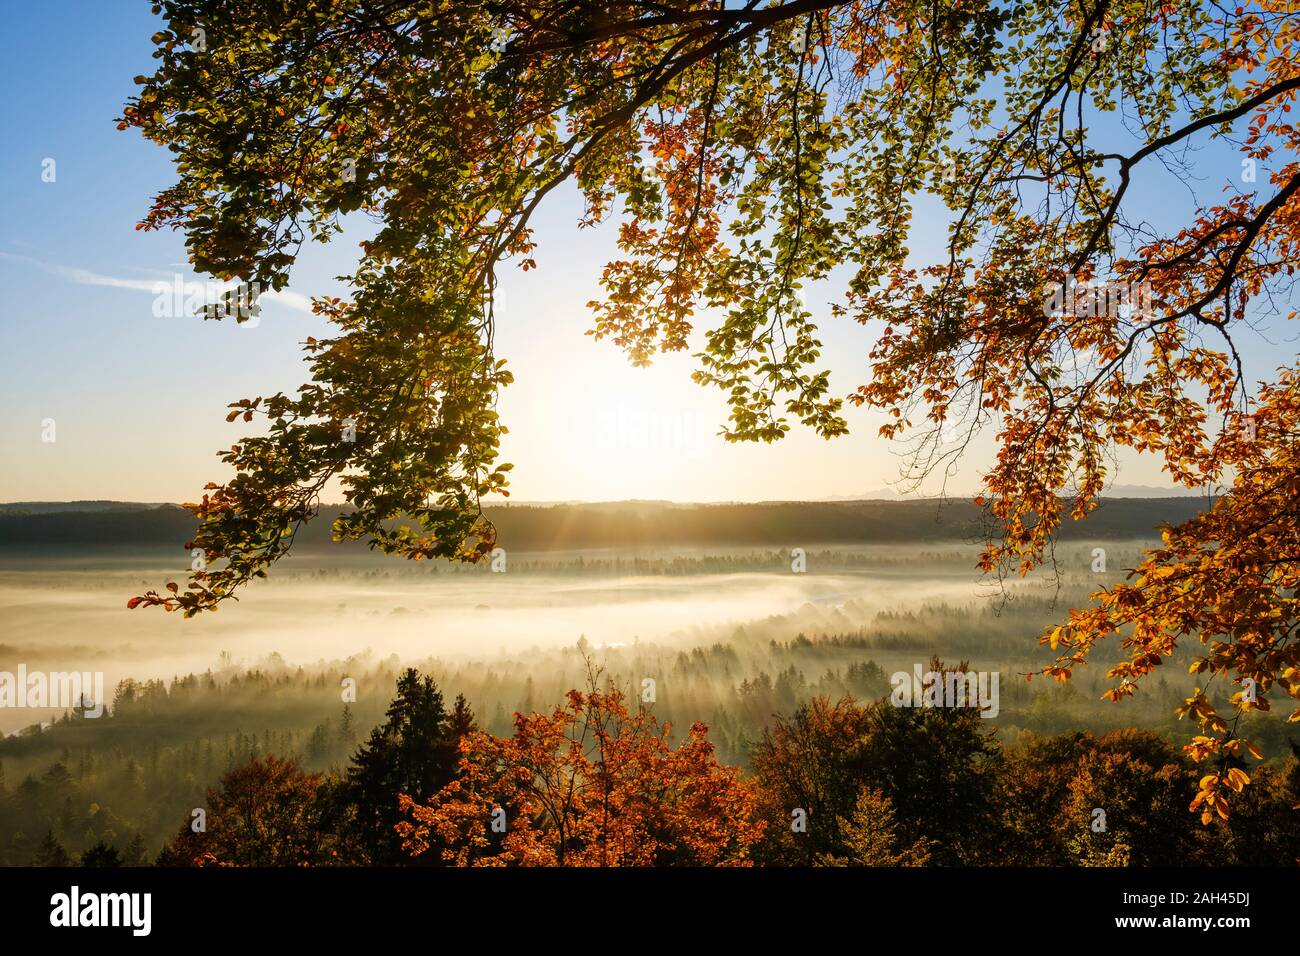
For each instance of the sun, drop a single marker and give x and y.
(599, 424)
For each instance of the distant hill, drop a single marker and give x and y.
(1115, 491)
(50, 507)
(630, 524)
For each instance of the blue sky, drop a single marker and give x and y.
(138, 400)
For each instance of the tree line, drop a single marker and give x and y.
(600, 781)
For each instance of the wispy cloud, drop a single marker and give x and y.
(82, 276)
(290, 300)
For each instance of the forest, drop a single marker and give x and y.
(621, 524)
(839, 778)
(997, 255)
(781, 712)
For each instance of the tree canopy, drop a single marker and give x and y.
(591, 784)
(747, 150)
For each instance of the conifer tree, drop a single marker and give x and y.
(51, 852)
(414, 753)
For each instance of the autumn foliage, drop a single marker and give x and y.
(268, 812)
(834, 783)
(590, 784)
(747, 153)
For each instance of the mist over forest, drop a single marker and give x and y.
(730, 634)
(825, 438)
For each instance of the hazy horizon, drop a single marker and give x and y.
(874, 494)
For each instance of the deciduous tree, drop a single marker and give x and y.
(590, 784)
(747, 151)
(268, 812)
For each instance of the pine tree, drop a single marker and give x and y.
(134, 854)
(51, 852)
(500, 723)
(870, 837)
(101, 854)
(462, 718)
(347, 727)
(413, 752)
(318, 744)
